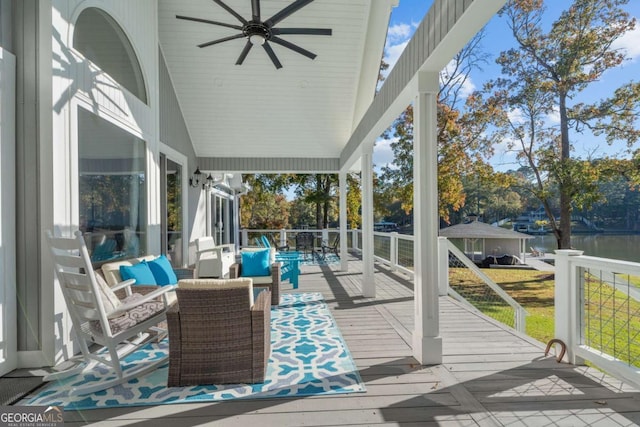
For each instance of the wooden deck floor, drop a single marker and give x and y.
(491, 376)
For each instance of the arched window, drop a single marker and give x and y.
(102, 41)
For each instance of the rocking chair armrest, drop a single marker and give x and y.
(123, 284)
(145, 298)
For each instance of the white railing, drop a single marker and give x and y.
(597, 300)
(283, 237)
(460, 278)
(468, 284)
(597, 304)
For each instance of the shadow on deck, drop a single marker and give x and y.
(491, 375)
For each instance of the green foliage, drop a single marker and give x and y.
(354, 201)
(264, 207)
(301, 213)
(462, 141)
(542, 76)
(319, 190)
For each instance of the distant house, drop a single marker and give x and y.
(481, 240)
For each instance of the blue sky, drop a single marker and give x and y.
(409, 13)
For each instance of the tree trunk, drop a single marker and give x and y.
(564, 239)
(318, 204)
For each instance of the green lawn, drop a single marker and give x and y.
(606, 310)
(534, 290)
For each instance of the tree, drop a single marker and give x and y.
(320, 190)
(544, 76)
(301, 213)
(462, 142)
(263, 208)
(354, 201)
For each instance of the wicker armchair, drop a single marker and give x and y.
(271, 282)
(218, 334)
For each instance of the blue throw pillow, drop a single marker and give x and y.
(255, 263)
(162, 271)
(140, 272)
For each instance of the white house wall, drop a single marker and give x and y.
(174, 133)
(8, 337)
(77, 83)
(31, 41)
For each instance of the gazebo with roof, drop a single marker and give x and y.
(494, 240)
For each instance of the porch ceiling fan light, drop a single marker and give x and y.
(257, 39)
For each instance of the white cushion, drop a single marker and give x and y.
(219, 284)
(261, 280)
(110, 301)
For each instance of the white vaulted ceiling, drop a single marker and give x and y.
(308, 108)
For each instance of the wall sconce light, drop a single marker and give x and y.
(196, 178)
(208, 183)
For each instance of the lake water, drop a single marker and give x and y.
(624, 247)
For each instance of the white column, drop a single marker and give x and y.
(393, 251)
(368, 283)
(566, 313)
(226, 221)
(443, 271)
(427, 343)
(344, 263)
(236, 221)
(208, 217)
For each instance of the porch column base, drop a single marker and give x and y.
(427, 350)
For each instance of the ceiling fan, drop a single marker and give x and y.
(259, 32)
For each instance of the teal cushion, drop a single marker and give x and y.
(162, 271)
(140, 272)
(255, 263)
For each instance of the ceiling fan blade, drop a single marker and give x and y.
(255, 10)
(224, 39)
(293, 47)
(309, 31)
(207, 21)
(244, 53)
(272, 55)
(293, 7)
(231, 11)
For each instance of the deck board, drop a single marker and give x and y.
(490, 376)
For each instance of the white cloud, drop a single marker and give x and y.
(630, 42)
(393, 52)
(467, 85)
(399, 32)
(553, 118)
(504, 158)
(382, 153)
(516, 116)
(398, 37)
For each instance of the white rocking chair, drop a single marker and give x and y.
(119, 327)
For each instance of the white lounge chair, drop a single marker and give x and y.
(213, 260)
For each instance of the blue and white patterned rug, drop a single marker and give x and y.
(308, 357)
